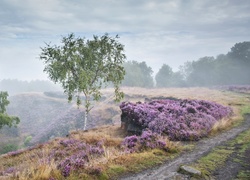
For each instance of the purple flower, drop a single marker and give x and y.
(10, 170)
(66, 170)
(175, 118)
(148, 139)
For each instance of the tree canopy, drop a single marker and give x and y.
(85, 66)
(5, 119)
(225, 69)
(240, 52)
(202, 72)
(165, 77)
(138, 74)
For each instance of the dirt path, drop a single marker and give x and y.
(203, 147)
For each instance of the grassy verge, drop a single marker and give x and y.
(135, 162)
(237, 148)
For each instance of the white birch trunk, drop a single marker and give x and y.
(85, 120)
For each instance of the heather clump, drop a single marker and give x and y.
(179, 119)
(147, 140)
(130, 143)
(74, 155)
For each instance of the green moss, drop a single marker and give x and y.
(103, 176)
(115, 170)
(242, 141)
(244, 175)
(220, 154)
(213, 160)
(245, 109)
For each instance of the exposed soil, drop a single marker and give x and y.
(234, 164)
(169, 169)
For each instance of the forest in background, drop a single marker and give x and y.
(232, 68)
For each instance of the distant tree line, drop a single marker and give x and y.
(14, 86)
(225, 69)
(138, 74)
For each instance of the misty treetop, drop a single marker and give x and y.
(167, 78)
(138, 74)
(232, 68)
(225, 69)
(3, 101)
(85, 66)
(241, 52)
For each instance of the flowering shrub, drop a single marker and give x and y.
(130, 143)
(73, 162)
(147, 140)
(81, 154)
(179, 119)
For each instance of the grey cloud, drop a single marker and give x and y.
(160, 31)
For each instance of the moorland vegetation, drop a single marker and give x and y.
(107, 152)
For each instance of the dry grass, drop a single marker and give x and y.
(32, 164)
(112, 135)
(222, 97)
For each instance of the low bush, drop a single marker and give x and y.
(179, 119)
(147, 140)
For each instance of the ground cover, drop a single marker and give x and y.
(230, 160)
(105, 154)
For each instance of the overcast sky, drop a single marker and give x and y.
(156, 31)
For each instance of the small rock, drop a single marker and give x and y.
(190, 170)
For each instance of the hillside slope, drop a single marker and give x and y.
(47, 115)
(99, 153)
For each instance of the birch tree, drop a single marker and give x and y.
(85, 66)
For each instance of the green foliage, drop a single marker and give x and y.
(163, 77)
(8, 148)
(167, 78)
(8, 120)
(3, 101)
(85, 66)
(138, 74)
(202, 73)
(4, 118)
(232, 68)
(241, 52)
(27, 140)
